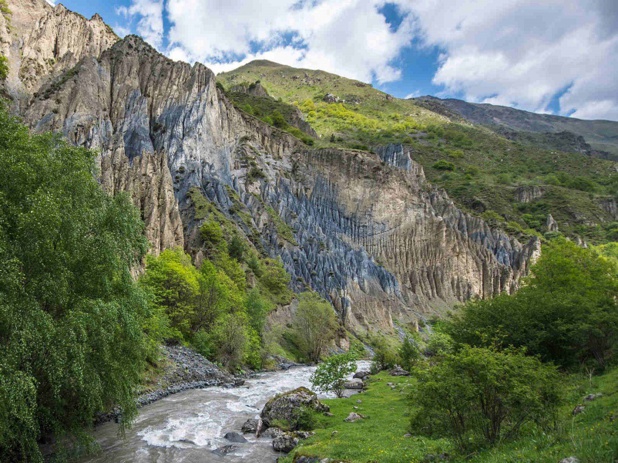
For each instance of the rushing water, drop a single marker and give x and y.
(189, 426)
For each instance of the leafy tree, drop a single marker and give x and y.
(275, 280)
(480, 395)
(314, 325)
(330, 375)
(71, 343)
(567, 311)
(175, 283)
(409, 354)
(237, 248)
(230, 339)
(257, 309)
(385, 356)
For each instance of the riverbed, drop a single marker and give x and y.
(189, 427)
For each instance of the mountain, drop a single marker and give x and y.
(355, 219)
(601, 136)
(515, 179)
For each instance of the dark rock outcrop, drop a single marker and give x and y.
(283, 408)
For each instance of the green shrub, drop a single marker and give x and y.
(443, 165)
(480, 396)
(330, 375)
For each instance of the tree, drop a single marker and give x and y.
(71, 343)
(480, 395)
(409, 354)
(330, 375)
(230, 338)
(567, 311)
(314, 325)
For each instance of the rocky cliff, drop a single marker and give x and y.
(366, 230)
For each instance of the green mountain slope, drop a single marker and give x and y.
(516, 184)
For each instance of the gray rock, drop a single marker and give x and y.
(352, 417)
(570, 460)
(354, 384)
(235, 437)
(222, 451)
(250, 426)
(362, 374)
(398, 371)
(272, 433)
(579, 409)
(285, 443)
(592, 397)
(284, 406)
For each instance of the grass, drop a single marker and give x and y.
(591, 436)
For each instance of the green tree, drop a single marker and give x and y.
(237, 248)
(330, 375)
(314, 325)
(230, 338)
(480, 395)
(71, 343)
(409, 353)
(567, 311)
(175, 284)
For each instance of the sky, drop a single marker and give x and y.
(547, 56)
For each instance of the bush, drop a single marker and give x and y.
(384, 357)
(331, 373)
(479, 396)
(443, 165)
(409, 354)
(314, 325)
(567, 312)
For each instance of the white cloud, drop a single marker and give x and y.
(525, 52)
(349, 37)
(522, 53)
(149, 15)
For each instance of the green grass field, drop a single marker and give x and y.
(591, 436)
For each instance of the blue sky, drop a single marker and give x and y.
(555, 56)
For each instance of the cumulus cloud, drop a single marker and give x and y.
(525, 52)
(522, 53)
(149, 14)
(349, 37)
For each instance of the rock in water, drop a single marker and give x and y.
(284, 406)
(222, 451)
(361, 375)
(250, 426)
(235, 437)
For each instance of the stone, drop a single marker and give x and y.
(570, 460)
(592, 397)
(284, 406)
(398, 371)
(222, 451)
(552, 225)
(272, 433)
(250, 426)
(579, 409)
(352, 417)
(285, 443)
(354, 384)
(235, 437)
(362, 374)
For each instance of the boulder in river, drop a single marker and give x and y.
(362, 375)
(222, 451)
(284, 407)
(235, 437)
(250, 426)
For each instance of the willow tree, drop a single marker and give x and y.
(71, 343)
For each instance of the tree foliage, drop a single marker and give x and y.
(314, 325)
(71, 343)
(567, 311)
(478, 396)
(330, 375)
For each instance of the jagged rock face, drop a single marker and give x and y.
(43, 42)
(609, 205)
(527, 194)
(365, 230)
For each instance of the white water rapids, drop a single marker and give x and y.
(187, 427)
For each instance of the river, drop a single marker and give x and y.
(189, 426)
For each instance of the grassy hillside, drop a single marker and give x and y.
(480, 169)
